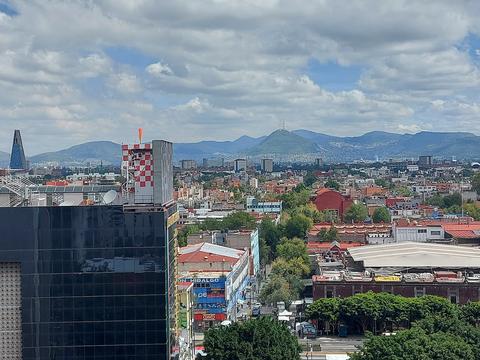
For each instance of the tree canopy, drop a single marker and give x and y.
(332, 184)
(356, 213)
(381, 215)
(329, 235)
(256, 339)
(297, 226)
(415, 344)
(476, 183)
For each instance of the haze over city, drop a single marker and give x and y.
(78, 71)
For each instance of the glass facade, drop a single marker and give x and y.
(95, 281)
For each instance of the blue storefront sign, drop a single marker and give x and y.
(209, 294)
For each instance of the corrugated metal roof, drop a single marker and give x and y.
(420, 255)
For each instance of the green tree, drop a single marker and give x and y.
(472, 210)
(415, 344)
(239, 220)
(309, 211)
(271, 234)
(454, 199)
(360, 310)
(436, 200)
(476, 183)
(185, 232)
(309, 179)
(356, 213)
(382, 182)
(381, 215)
(277, 289)
(294, 266)
(290, 249)
(256, 339)
(332, 184)
(325, 310)
(328, 235)
(299, 197)
(470, 313)
(403, 191)
(297, 226)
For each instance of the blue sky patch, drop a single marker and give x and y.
(7, 9)
(332, 76)
(129, 56)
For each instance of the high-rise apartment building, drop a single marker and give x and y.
(267, 165)
(425, 161)
(188, 164)
(239, 165)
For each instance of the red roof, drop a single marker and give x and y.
(208, 253)
(200, 256)
(324, 190)
(463, 234)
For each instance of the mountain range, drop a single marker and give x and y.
(282, 144)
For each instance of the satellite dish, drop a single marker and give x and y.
(109, 197)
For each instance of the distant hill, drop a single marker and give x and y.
(206, 149)
(282, 144)
(95, 152)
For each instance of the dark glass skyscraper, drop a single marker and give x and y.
(17, 157)
(91, 282)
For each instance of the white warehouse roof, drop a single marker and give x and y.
(420, 255)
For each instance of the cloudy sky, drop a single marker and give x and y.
(73, 71)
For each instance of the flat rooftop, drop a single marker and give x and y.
(416, 255)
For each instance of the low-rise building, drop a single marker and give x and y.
(332, 201)
(407, 269)
(220, 276)
(253, 205)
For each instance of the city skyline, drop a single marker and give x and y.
(77, 72)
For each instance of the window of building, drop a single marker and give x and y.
(436, 232)
(419, 291)
(329, 293)
(422, 231)
(453, 296)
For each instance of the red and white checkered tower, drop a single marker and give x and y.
(137, 168)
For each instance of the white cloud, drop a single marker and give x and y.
(221, 69)
(125, 83)
(159, 69)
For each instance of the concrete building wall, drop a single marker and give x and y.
(459, 293)
(162, 171)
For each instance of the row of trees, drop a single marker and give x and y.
(377, 312)
(435, 337)
(442, 331)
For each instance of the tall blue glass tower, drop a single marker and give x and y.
(17, 157)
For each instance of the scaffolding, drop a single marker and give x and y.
(20, 189)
